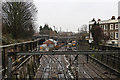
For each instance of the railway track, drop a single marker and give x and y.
(109, 69)
(85, 70)
(95, 70)
(53, 67)
(91, 70)
(61, 67)
(81, 70)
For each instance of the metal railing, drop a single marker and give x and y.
(21, 60)
(28, 67)
(16, 60)
(109, 61)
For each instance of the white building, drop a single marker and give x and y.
(110, 28)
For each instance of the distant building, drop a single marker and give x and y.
(66, 34)
(36, 34)
(110, 27)
(49, 42)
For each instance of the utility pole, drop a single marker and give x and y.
(60, 29)
(78, 30)
(76, 69)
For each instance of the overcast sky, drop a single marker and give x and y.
(72, 14)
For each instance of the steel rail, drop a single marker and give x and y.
(105, 65)
(55, 59)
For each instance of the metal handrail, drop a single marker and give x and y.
(10, 45)
(17, 45)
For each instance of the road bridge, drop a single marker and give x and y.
(58, 38)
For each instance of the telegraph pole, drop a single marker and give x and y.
(77, 69)
(54, 28)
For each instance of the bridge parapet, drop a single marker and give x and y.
(24, 46)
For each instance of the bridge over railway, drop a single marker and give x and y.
(23, 60)
(58, 38)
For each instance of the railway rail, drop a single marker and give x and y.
(97, 70)
(55, 67)
(110, 62)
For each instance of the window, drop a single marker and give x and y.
(106, 33)
(116, 35)
(105, 27)
(102, 26)
(111, 35)
(90, 35)
(116, 26)
(111, 27)
(90, 27)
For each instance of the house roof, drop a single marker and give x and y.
(48, 42)
(104, 21)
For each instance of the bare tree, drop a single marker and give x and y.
(83, 32)
(18, 18)
(84, 29)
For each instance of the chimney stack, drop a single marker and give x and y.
(113, 18)
(99, 19)
(118, 17)
(93, 20)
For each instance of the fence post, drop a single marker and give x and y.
(87, 58)
(3, 62)
(22, 47)
(113, 63)
(9, 67)
(27, 49)
(77, 70)
(15, 47)
(31, 46)
(107, 59)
